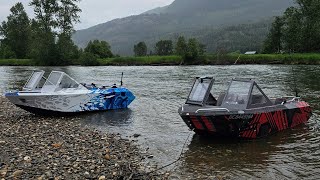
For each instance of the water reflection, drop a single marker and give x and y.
(232, 158)
(118, 118)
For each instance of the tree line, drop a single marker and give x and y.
(297, 30)
(47, 37)
(189, 49)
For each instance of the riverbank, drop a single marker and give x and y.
(35, 147)
(213, 59)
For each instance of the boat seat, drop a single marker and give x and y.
(220, 99)
(279, 101)
(211, 100)
(257, 99)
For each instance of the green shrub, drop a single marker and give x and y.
(89, 59)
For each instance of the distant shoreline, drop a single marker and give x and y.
(226, 59)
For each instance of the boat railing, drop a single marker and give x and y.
(292, 98)
(213, 109)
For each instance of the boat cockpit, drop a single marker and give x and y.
(240, 95)
(56, 81)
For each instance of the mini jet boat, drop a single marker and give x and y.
(242, 111)
(60, 94)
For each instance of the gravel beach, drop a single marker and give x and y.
(33, 147)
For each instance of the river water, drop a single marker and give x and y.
(159, 91)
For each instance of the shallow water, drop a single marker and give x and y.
(292, 154)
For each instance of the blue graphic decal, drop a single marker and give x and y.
(113, 98)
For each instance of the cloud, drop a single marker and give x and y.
(96, 11)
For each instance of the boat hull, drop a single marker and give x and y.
(63, 103)
(249, 125)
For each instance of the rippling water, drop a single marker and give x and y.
(292, 154)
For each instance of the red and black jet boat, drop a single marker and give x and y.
(242, 111)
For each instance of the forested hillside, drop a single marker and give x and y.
(217, 23)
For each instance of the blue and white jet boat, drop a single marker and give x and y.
(60, 94)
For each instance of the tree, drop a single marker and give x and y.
(140, 49)
(66, 48)
(193, 50)
(100, 48)
(88, 59)
(292, 30)
(273, 42)
(164, 48)
(298, 30)
(181, 46)
(53, 27)
(16, 32)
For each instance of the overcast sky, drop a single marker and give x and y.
(95, 11)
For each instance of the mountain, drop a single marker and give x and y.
(192, 18)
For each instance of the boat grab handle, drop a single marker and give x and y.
(213, 109)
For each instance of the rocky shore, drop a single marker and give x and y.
(33, 147)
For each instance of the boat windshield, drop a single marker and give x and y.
(33, 80)
(58, 80)
(200, 90)
(68, 82)
(238, 94)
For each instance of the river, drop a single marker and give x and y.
(160, 90)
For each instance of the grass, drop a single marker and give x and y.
(16, 62)
(306, 58)
(147, 60)
(211, 59)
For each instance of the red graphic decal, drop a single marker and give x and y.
(302, 116)
(208, 124)
(197, 124)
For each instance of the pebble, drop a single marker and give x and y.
(17, 173)
(27, 159)
(102, 177)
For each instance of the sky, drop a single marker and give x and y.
(95, 11)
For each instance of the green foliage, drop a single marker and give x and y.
(140, 49)
(189, 51)
(88, 59)
(299, 29)
(6, 52)
(101, 49)
(181, 46)
(145, 60)
(51, 31)
(17, 62)
(16, 32)
(273, 43)
(67, 50)
(164, 47)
